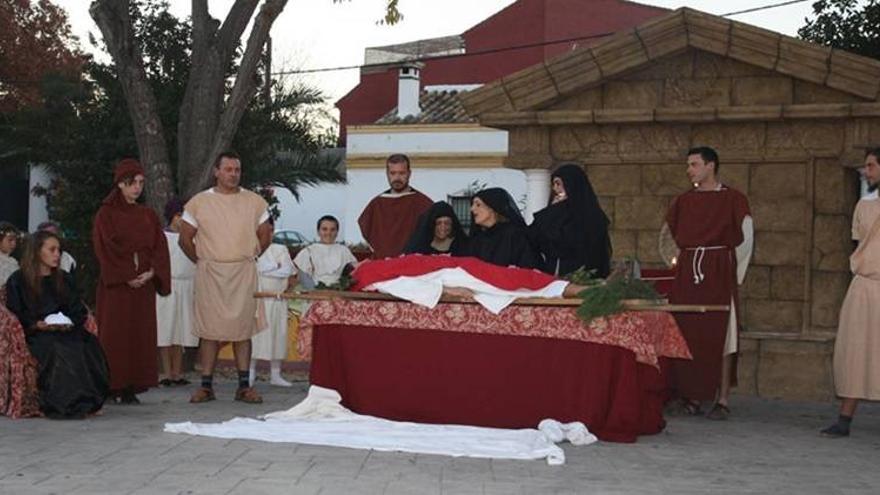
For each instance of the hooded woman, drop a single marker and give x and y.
(134, 261)
(438, 232)
(498, 232)
(572, 231)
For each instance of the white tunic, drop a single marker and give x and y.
(8, 266)
(174, 312)
(275, 266)
(324, 262)
(67, 263)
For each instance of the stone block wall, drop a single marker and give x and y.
(788, 144)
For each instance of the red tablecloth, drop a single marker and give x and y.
(460, 364)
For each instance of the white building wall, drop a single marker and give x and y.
(346, 202)
(38, 208)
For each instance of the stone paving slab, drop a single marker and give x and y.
(768, 446)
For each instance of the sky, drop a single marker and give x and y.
(322, 33)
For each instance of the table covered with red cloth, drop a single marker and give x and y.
(460, 364)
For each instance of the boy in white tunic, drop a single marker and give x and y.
(275, 267)
(325, 261)
(174, 311)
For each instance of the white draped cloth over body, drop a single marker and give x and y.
(174, 312)
(320, 419)
(275, 267)
(427, 289)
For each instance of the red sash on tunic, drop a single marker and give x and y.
(707, 227)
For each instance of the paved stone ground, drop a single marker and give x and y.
(767, 446)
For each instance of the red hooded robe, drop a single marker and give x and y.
(128, 241)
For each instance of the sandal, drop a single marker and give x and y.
(180, 382)
(835, 431)
(719, 412)
(166, 382)
(248, 395)
(202, 394)
(691, 407)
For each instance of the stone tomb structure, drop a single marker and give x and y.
(790, 121)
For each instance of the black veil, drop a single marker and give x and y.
(421, 238)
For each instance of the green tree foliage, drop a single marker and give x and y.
(851, 25)
(82, 128)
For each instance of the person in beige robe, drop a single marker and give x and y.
(857, 348)
(224, 230)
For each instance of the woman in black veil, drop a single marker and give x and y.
(572, 231)
(438, 232)
(498, 231)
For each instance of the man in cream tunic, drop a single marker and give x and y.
(857, 347)
(224, 231)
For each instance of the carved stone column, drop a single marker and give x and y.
(537, 191)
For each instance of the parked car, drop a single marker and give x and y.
(290, 238)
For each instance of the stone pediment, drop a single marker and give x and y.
(533, 95)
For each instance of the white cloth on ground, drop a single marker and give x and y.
(426, 289)
(275, 266)
(174, 312)
(320, 419)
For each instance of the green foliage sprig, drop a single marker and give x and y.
(605, 297)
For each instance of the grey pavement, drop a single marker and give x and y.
(767, 446)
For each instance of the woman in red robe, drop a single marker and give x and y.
(133, 258)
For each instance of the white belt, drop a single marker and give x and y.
(697, 261)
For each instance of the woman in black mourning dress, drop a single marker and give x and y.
(73, 376)
(438, 232)
(498, 231)
(572, 231)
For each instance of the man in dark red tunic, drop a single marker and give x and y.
(712, 227)
(133, 256)
(390, 218)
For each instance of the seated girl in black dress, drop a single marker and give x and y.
(73, 376)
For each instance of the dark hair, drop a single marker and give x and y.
(173, 207)
(327, 218)
(397, 158)
(30, 266)
(875, 152)
(226, 154)
(7, 228)
(48, 224)
(707, 154)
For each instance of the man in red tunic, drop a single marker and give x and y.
(713, 230)
(390, 218)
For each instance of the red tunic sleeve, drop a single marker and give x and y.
(116, 262)
(672, 215)
(740, 207)
(161, 257)
(365, 221)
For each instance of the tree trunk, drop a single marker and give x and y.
(206, 127)
(112, 18)
(213, 51)
(244, 89)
